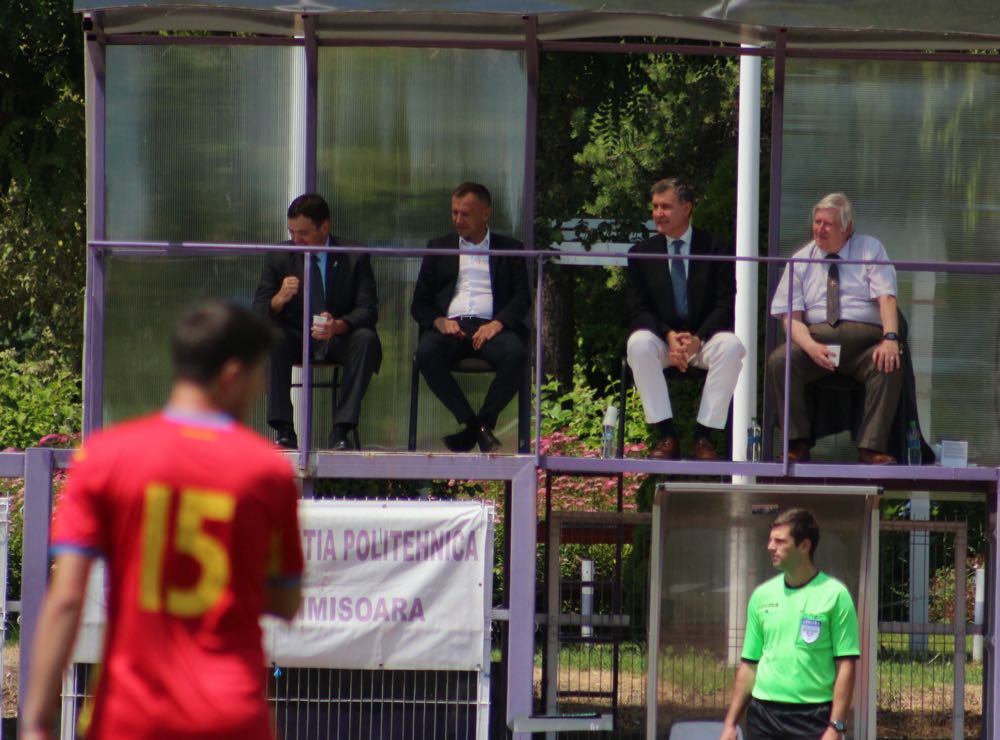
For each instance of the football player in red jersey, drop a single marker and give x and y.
(195, 517)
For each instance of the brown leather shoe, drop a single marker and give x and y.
(873, 457)
(668, 448)
(798, 451)
(703, 450)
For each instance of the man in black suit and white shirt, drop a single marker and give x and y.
(472, 306)
(681, 314)
(343, 293)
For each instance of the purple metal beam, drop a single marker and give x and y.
(991, 668)
(774, 219)
(312, 101)
(93, 359)
(11, 464)
(419, 466)
(521, 628)
(38, 468)
(305, 440)
(133, 248)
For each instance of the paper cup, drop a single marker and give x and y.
(835, 349)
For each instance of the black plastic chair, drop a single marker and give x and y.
(333, 385)
(478, 365)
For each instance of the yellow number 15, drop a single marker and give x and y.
(194, 508)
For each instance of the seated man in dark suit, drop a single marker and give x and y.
(472, 306)
(343, 294)
(681, 314)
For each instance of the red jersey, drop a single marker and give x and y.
(194, 515)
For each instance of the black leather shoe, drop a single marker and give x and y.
(487, 440)
(338, 440)
(462, 441)
(287, 438)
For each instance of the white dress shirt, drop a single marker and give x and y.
(473, 289)
(860, 285)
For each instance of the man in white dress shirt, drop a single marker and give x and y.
(472, 305)
(850, 306)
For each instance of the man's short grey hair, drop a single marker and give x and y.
(685, 194)
(839, 203)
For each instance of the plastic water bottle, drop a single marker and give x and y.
(754, 438)
(913, 452)
(608, 432)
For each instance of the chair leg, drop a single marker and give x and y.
(411, 444)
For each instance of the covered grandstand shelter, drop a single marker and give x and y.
(204, 119)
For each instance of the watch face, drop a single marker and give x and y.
(838, 726)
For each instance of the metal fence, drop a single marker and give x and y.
(334, 704)
(927, 685)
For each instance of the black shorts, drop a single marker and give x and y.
(775, 720)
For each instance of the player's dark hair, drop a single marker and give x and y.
(311, 205)
(801, 525)
(213, 333)
(480, 191)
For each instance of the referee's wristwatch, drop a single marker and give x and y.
(891, 336)
(838, 725)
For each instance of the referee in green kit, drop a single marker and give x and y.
(801, 643)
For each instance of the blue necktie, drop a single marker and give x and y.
(679, 280)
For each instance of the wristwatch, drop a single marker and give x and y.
(891, 335)
(838, 725)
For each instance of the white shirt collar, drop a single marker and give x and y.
(464, 243)
(685, 237)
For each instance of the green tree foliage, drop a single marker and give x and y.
(41, 179)
(610, 126)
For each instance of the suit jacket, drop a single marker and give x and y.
(439, 273)
(711, 295)
(355, 299)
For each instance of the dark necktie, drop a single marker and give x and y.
(679, 280)
(317, 300)
(317, 305)
(833, 290)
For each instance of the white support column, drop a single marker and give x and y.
(745, 398)
(747, 217)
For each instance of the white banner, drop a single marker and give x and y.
(390, 585)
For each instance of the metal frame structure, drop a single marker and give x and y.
(520, 471)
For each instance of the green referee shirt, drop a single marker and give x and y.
(794, 634)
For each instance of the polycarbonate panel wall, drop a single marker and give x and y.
(199, 142)
(205, 144)
(398, 130)
(199, 148)
(915, 147)
(713, 554)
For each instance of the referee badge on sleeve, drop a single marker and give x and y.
(809, 630)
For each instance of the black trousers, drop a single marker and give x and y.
(774, 720)
(436, 353)
(359, 352)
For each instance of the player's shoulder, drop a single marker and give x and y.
(258, 450)
(118, 438)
